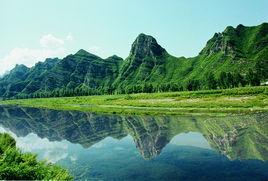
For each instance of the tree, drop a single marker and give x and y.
(238, 80)
(230, 80)
(222, 81)
(148, 88)
(253, 78)
(261, 68)
(192, 85)
(211, 81)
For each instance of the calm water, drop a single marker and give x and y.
(110, 147)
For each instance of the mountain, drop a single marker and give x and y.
(145, 56)
(74, 71)
(236, 49)
(236, 57)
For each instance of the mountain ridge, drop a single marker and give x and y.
(235, 57)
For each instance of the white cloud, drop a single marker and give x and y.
(73, 158)
(50, 47)
(52, 151)
(50, 41)
(97, 145)
(69, 37)
(27, 57)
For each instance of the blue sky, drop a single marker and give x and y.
(32, 30)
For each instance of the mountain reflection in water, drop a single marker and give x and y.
(143, 147)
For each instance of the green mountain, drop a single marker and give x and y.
(236, 57)
(81, 70)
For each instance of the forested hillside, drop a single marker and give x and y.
(236, 57)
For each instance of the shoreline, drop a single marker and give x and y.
(226, 101)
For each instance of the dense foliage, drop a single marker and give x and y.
(237, 57)
(15, 165)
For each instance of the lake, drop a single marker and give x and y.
(116, 147)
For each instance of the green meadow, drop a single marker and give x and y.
(236, 100)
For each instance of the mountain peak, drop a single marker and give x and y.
(82, 52)
(17, 73)
(146, 45)
(115, 57)
(225, 42)
(20, 67)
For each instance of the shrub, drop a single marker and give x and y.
(15, 165)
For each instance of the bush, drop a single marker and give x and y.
(15, 165)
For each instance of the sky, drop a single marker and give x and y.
(32, 30)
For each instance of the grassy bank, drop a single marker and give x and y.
(237, 100)
(15, 165)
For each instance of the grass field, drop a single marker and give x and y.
(237, 100)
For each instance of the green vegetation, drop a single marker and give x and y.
(236, 100)
(237, 57)
(15, 165)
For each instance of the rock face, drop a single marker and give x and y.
(224, 42)
(145, 58)
(149, 136)
(245, 138)
(146, 46)
(239, 42)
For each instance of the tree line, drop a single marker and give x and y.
(209, 82)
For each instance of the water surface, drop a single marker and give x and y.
(113, 147)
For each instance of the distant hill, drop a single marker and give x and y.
(236, 57)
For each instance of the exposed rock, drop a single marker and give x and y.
(146, 46)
